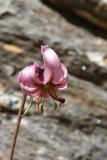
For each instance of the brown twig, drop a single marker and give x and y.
(17, 127)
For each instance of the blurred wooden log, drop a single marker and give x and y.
(94, 11)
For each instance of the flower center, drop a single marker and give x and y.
(50, 89)
(46, 86)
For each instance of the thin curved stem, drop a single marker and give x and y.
(21, 110)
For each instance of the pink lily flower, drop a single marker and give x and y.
(44, 82)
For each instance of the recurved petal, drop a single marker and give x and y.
(64, 81)
(37, 74)
(36, 94)
(64, 71)
(52, 66)
(62, 86)
(20, 77)
(65, 75)
(31, 75)
(31, 91)
(27, 79)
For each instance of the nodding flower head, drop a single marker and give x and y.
(46, 81)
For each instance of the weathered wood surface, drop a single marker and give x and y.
(94, 11)
(77, 130)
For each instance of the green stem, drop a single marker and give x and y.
(21, 110)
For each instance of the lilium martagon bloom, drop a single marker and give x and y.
(46, 81)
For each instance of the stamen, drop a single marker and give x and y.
(38, 107)
(54, 96)
(38, 102)
(42, 109)
(61, 100)
(43, 101)
(56, 106)
(40, 99)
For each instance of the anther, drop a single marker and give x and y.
(42, 109)
(62, 100)
(37, 108)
